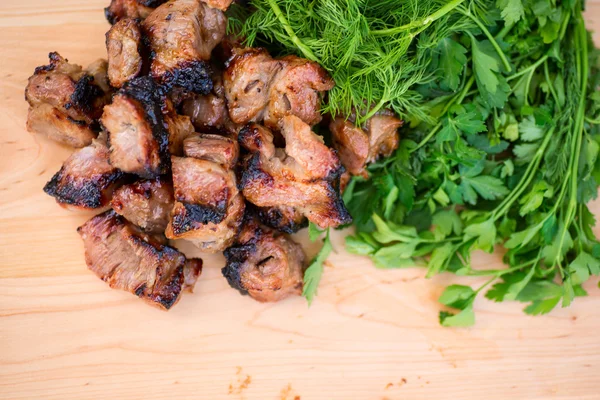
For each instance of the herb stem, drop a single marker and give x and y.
(420, 23)
(528, 69)
(284, 22)
(487, 33)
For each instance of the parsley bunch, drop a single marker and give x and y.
(501, 145)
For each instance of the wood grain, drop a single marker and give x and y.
(370, 334)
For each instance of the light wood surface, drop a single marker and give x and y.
(370, 334)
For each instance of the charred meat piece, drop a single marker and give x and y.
(209, 112)
(208, 206)
(265, 264)
(124, 46)
(304, 176)
(182, 35)
(138, 137)
(358, 146)
(215, 148)
(66, 92)
(146, 203)
(48, 120)
(247, 81)
(259, 87)
(86, 179)
(282, 218)
(297, 90)
(134, 9)
(131, 260)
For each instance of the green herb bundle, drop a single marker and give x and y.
(501, 146)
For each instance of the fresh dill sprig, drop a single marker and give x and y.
(378, 52)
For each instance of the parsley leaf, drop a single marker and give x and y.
(314, 272)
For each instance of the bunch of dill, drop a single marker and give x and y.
(502, 142)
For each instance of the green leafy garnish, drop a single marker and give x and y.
(314, 272)
(501, 142)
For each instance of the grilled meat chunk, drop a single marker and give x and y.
(305, 176)
(182, 35)
(208, 206)
(209, 112)
(352, 144)
(382, 129)
(138, 137)
(247, 81)
(124, 46)
(145, 203)
(222, 5)
(48, 120)
(179, 127)
(297, 89)
(215, 148)
(131, 260)
(282, 218)
(258, 87)
(358, 146)
(86, 179)
(66, 93)
(134, 9)
(265, 264)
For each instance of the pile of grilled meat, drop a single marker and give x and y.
(181, 133)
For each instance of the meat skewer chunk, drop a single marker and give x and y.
(182, 35)
(358, 146)
(215, 148)
(139, 140)
(131, 260)
(124, 47)
(134, 9)
(146, 203)
(265, 264)
(305, 176)
(208, 207)
(68, 98)
(86, 179)
(282, 218)
(259, 87)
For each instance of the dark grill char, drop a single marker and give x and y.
(281, 218)
(128, 259)
(86, 179)
(65, 100)
(181, 35)
(265, 264)
(304, 176)
(134, 122)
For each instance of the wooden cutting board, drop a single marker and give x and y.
(370, 334)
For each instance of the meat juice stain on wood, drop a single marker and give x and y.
(241, 384)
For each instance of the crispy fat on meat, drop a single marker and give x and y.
(265, 264)
(208, 206)
(215, 148)
(135, 9)
(138, 136)
(145, 203)
(49, 121)
(182, 35)
(222, 5)
(304, 176)
(259, 87)
(86, 179)
(124, 47)
(128, 259)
